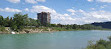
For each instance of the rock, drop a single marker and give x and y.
(13, 32)
(26, 31)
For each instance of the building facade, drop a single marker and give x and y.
(44, 18)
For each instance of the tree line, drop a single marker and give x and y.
(103, 24)
(20, 21)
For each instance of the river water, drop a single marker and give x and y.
(56, 40)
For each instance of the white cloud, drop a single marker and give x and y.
(34, 1)
(88, 17)
(90, 0)
(80, 10)
(94, 16)
(35, 18)
(66, 15)
(92, 8)
(14, 1)
(73, 14)
(101, 14)
(26, 9)
(41, 0)
(10, 10)
(31, 1)
(42, 9)
(108, 1)
(71, 10)
(103, 6)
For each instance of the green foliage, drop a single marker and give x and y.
(6, 21)
(2, 28)
(109, 38)
(32, 22)
(101, 44)
(53, 25)
(76, 27)
(90, 27)
(59, 29)
(1, 20)
(14, 27)
(19, 22)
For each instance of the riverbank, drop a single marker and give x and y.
(36, 30)
(7, 30)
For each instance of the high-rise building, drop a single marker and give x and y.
(44, 18)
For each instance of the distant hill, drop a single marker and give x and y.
(103, 24)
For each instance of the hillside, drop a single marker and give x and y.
(103, 24)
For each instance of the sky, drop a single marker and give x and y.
(62, 11)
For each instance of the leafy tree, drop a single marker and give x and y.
(2, 28)
(38, 23)
(1, 20)
(32, 22)
(20, 20)
(14, 27)
(53, 25)
(48, 25)
(6, 21)
(75, 26)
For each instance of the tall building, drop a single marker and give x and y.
(44, 17)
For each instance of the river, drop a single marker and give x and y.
(55, 40)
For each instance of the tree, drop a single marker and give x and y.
(32, 22)
(53, 25)
(75, 26)
(38, 23)
(1, 21)
(20, 20)
(14, 27)
(6, 22)
(48, 25)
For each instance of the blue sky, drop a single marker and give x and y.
(62, 11)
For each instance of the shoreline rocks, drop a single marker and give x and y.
(35, 31)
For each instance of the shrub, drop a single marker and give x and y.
(101, 44)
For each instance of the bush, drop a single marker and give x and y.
(101, 44)
(14, 27)
(2, 28)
